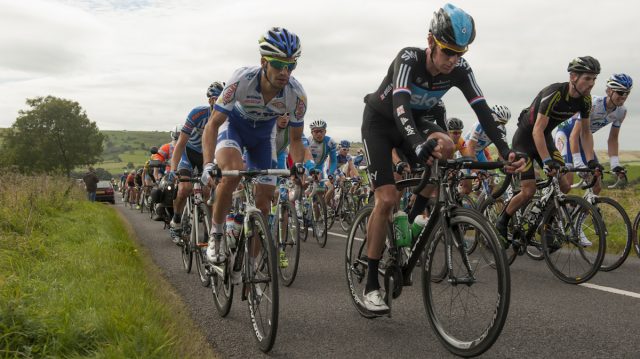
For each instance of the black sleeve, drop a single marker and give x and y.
(403, 76)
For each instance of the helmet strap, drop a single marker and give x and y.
(573, 84)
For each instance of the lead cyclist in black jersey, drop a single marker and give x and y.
(401, 114)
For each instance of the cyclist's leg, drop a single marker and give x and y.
(561, 140)
(184, 188)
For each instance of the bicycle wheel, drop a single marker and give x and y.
(347, 212)
(304, 218)
(287, 231)
(262, 281)
(319, 223)
(185, 249)
(356, 262)
(222, 288)
(143, 202)
(467, 317)
(199, 239)
(333, 211)
(636, 242)
(562, 228)
(618, 232)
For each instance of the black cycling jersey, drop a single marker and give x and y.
(409, 92)
(554, 101)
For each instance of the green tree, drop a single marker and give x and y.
(54, 134)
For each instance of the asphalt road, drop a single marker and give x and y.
(547, 318)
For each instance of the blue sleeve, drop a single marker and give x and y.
(334, 160)
(282, 160)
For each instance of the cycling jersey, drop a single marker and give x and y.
(165, 152)
(194, 126)
(282, 143)
(599, 118)
(320, 151)
(478, 135)
(408, 93)
(251, 124)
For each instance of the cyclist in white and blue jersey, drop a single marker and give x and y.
(605, 110)
(245, 117)
(187, 155)
(477, 140)
(322, 147)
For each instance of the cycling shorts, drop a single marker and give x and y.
(190, 159)
(564, 146)
(523, 142)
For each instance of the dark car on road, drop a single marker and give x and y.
(104, 193)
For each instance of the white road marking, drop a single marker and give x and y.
(611, 290)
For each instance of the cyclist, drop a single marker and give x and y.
(322, 147)
(477, 142)
(138, 182)
(554, 104)
(123, 180)
(246, 116)
(454, 128)
(605, 110)
(345, 161)
(412, 88)
(187, 155)
(165, 152)
(131, 185)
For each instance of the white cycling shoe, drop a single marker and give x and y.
(374, 302)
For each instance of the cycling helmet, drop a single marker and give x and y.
(620, 82)
(502, 114)
(584, 64)
(153, 150)
(280, 42)
(454, 124)
(215, 89)
(345, 144)
(175, 133)
(453, 26)
(318, 124)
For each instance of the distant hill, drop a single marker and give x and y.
(122, 147)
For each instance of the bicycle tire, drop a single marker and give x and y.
(356, 265)
(613, 257)
(332, 213)
(636, 242)
(185, 249)
(290, 244)
(348, 211)
(261, 283)
(142, 202)
(200, 234)
(222, 288)
(560, 249)
(305, 220)
(475, 336)
(319, 223)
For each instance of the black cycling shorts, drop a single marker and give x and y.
(195, 159)
(523, 142)
(380, 136)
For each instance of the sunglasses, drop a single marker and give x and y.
(622, 93)
(455, 132)
(449, 50)
(280, 64)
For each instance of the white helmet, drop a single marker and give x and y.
(502, 114)
(318, 124)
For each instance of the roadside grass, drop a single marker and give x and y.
(73, 283)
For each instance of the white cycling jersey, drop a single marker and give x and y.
(599, 117)
(480, 136)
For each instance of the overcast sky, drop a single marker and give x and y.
(143, 64)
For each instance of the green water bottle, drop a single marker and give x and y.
(401, 229)
(418, 224)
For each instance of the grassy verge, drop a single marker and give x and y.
(72, 283)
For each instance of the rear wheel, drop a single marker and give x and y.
(319, 223)
(200, 237)
(618, 231)
(186, 250)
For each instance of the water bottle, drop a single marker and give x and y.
(417, 226)
(401, 229)
(233, 227)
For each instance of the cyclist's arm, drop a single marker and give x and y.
(296, 147)
(538, 136)
(612, 142)
(403, 76)
(586, 138)
(178, 149)
(574, 137)
(210, 134)
(471, 148)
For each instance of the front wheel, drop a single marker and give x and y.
(199, 239)
(319, 222)
(288, 243)
(564, 231)
(468, 311)
(186, 250)
(618, 230)
(262, 282)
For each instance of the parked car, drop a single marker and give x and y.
(104, 193)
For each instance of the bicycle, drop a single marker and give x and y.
(314, 211)
(346, 204)
(560, 220)
(286, 232)
(471, 327)
(250, 261)
(618, 228)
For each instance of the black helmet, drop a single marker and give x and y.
(584, 64)
(452, 26)
(153, 150)
(454, 124)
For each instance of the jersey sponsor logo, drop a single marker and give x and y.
(423, 100)
(400, 111)
(408, 55)
(279, 105)
(229, 93)
(198, 114)
(301, 108)
(409, 130)
(404, 120)
(386, 91)
(440, 85)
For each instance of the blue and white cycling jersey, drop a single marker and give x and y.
(323, 150)
(599, 118)
(251, 123)
(193, 127)
(482, 139)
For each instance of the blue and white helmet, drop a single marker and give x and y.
(215, 89)
(620, 82)
(452, 26)
(345, 144)
(318, 124)
(280, 42)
